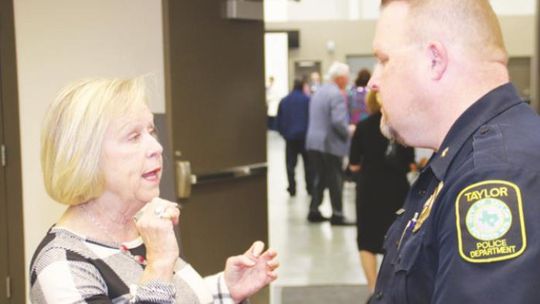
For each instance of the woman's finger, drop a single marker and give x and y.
(269, 254)
(273, 264)
(256, 249)
(241, 261)
(171, 212)
(159, 208)
(272, 275)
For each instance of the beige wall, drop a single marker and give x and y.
(518, 32)
(289, 11)
(350, 37)
(60, 41)
(354, 38)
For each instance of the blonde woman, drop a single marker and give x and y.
(115, 242)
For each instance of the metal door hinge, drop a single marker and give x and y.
(3, 156)
(8, 287)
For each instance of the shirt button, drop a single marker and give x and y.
(422, 192)
(378, 295)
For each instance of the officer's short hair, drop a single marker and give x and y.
(469, 24)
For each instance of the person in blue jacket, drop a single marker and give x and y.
(291, 123)
(469, 230)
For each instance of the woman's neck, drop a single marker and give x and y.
(106, 222)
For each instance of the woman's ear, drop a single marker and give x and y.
(438, 57)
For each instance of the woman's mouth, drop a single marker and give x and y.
(152, 175)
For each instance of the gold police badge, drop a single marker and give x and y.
(490, 222)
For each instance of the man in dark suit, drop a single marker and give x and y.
(292, 123)
(327, 143)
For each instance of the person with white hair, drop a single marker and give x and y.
(327, 142)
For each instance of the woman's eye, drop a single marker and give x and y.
(134, 136)
(152, 131)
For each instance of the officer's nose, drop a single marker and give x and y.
(373, 83)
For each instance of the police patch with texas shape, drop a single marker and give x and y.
(490, 222)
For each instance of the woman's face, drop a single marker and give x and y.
(131, 159)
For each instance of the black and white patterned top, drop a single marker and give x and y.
(70, 268)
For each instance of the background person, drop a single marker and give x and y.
(292, 122)
(381, 185)
(357, 97)
(314, 82)
(327, 142)
(356, 106)
(115, 242)
(444, 85)
(272, 103)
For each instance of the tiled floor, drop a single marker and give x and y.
(310, 254)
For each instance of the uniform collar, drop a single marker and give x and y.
(482, 111)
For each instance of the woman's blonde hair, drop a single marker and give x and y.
(372, 102)
(73, 132)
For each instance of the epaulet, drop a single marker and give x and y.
(489, 146)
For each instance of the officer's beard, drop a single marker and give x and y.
(389, 132)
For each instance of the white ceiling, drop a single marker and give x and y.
(312, 10)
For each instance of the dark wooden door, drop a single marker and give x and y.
(217, 122)
(4, 274)
(12, 270)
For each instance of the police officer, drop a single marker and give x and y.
(469, 231)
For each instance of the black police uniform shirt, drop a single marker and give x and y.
(469, 231)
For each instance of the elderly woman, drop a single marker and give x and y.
(115, 243)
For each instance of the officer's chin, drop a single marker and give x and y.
(389, 132)
(386, 131)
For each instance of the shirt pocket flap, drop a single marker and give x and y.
(409, 252)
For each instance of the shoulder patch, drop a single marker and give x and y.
(490, 223)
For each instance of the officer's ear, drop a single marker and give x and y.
(438, 59)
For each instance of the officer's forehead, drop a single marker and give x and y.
(390, 31)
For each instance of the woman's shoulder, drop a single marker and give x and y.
(60, 245)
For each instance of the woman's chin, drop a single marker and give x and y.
(147, 196)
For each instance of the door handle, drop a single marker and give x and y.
(230, 173)
(184, 178)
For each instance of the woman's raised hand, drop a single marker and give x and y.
(247, 273)
(155, 223)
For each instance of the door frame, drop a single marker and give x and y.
(9, 100)
(210, 84)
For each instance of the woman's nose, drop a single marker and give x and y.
(155, 149)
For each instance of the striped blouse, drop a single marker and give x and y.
(70, 268)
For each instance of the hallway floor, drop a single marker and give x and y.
(310, 254)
